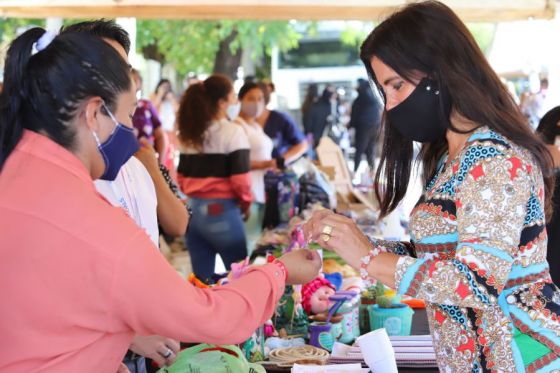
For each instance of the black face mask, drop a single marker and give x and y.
(424, 115)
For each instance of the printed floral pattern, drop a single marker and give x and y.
(479, 236)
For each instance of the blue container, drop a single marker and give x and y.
(397, 321)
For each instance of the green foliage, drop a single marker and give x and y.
(386, 301)
(9, 27)
(355, 33)
(192, 45)
(375, 291)
(189, 45)
(292, 319)
(483, 34)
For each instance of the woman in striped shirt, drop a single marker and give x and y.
(214, 172)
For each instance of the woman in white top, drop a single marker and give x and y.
(251, 97)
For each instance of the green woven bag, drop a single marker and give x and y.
(211, 358)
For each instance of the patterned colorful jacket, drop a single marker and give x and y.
(478, 257)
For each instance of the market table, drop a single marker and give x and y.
(419, 327)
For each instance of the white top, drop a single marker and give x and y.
(167, 114)
(221, 137)
(261, 150)
(134, 191)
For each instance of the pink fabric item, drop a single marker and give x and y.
(75, 273)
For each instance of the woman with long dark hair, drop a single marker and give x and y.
(477, 253)
(214, 173)
(75, 271)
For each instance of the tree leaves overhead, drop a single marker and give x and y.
(9, 27)
(192, 45)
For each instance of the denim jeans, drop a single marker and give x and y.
(253, 226)
(216, 227)
(136, 364)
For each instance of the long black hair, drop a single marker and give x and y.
(428, 37)
(548, 127)
(43, 90)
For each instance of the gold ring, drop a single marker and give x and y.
(325, 237)
(327, 230)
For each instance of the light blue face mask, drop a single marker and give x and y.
(232, 111)
(117, 149)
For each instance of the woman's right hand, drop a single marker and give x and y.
(302, 266)
(344, 238)
(156, 348)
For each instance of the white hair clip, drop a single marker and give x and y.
(43, 42)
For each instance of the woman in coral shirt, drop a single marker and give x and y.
(74, 270)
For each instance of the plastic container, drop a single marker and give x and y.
(350, 320)
(320, 335)
(397, 320)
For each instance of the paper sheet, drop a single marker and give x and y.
(334, 368)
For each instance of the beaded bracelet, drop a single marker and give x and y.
(364, 262)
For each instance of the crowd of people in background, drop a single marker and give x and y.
(269, 140)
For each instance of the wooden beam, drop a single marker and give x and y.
(372, 10)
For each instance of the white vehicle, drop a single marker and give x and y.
(323, 60)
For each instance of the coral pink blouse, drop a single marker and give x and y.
(75, 273)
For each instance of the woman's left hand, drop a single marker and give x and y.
(339, 234)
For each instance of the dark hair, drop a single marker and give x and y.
(162, 82)
(102, 28)
(548, 125)
(428, 37)
(249, 86)
(327, 94)
(266, 91)
(43, 91)
(199, 105)
(310, 97)
(363, 87)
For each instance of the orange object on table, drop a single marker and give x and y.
(414, 303)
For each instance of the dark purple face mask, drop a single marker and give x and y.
(117, 149)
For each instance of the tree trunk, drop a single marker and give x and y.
(151, 52)
(225, 62)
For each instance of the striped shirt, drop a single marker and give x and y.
(221, 168)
